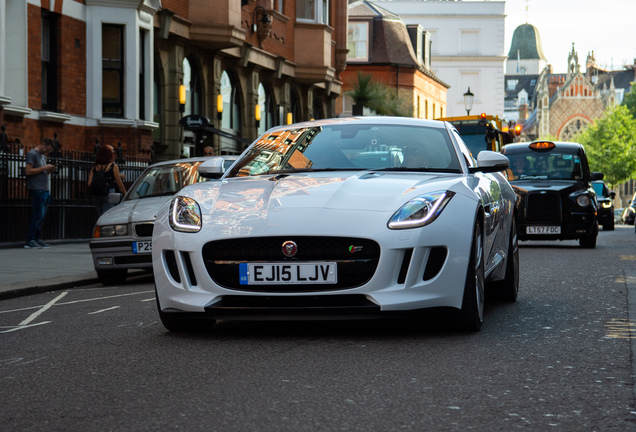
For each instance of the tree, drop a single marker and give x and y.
(610, 143)
(378, 97)
(629, 100)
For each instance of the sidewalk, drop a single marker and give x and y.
(31, 271)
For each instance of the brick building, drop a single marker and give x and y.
(112, 71)
(397, 55)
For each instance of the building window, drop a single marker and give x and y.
(279, 6)
(469, 41)
(512, 84)
(358, 41)
(142, 74)
(231, 109)
(49, 61)
(313, 11)
(112, 70)
(157, 108)
(192, 84)
(268, 109)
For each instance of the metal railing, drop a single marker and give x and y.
(71, 214)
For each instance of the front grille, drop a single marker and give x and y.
(222, 259)
(144, 230)
(543, 207)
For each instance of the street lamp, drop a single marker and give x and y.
(468, 101)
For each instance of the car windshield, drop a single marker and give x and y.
(165, 180)
(554, 166)
(349, 146)
(600, 189)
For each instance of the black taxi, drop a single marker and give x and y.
(555, 200)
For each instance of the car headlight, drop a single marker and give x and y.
(420, 211)
(110, 230)
(583, 200)
(607, 204)
(185, 215)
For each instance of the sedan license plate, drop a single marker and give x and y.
(142, 247)
(543, 230)
(292, 274)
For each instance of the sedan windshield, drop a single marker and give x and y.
(553, 166)
(165, 180)
(349, 147)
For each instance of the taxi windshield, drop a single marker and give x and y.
(554, 166)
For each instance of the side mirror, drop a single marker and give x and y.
(596, 176)
(114, 198)
(612, 194)
(490, 161)
(212, 168)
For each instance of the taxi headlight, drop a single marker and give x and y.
(420, 211)
(607, 204)
(583, 200)
(112, 230)
(185, 215)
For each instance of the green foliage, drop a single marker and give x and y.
(610, 143)
(629, 100)
(378, 97)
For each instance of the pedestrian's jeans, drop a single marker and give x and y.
(40, 200)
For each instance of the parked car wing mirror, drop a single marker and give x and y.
(596, 176)
(114, 198)
(212, 168)
(490, 161)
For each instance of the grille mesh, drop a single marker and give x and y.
(222, 259)
(543, 207)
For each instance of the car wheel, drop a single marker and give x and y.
(508, 288)
(112, 277)
(589, 242)
(472, 311)
(177, 324)
(609, 226)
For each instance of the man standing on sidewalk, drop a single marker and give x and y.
(38, 179)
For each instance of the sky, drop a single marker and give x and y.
(607, 27)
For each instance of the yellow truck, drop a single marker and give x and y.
(483, 132)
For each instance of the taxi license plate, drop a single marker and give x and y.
(142, 247)
(543, 230)
(292, 274)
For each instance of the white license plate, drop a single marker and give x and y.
(543, 230)
(142, 247)
(292, 274)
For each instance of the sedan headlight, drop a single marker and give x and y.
(111, 230)
(420, 211)
(185, 215)
(583, 200)
(607, 204)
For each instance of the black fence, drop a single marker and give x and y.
(71, 214)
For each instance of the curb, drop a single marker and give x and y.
(40, 286)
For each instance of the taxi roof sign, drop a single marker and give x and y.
(542, 145)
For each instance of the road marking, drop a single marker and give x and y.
(77, 301)
(104, 310)
(43, 309)
(620, 329)
(628, 257)
(150, 299)
(22, 327)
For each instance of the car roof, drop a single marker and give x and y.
(192, 159)
(380, 120)
(562, 146)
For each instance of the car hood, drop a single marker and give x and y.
(360, 191)
(139, 210)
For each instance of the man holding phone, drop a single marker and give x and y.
(38, 177)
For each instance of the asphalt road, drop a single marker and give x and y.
(560, 358)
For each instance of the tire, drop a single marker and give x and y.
(508, 288)
(589, 242)
(174, 323)
(472, 311)
(112, 277)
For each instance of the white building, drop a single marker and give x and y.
(467, 48)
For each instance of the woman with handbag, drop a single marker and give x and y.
(104, 178)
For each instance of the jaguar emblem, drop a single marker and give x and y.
(290, 248)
